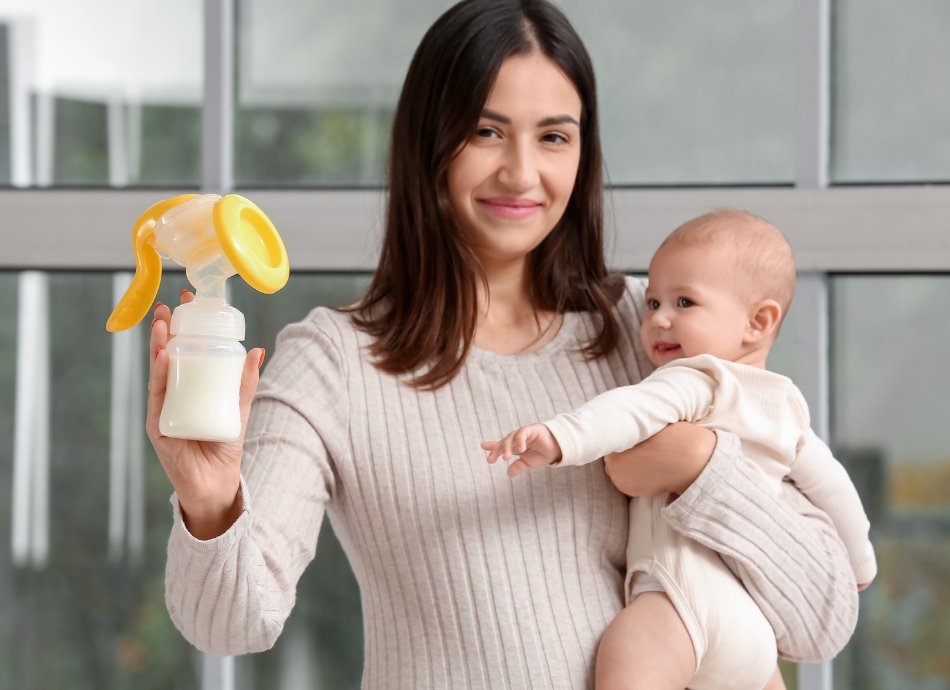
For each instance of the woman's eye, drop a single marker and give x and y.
(684, 302)
(485, 133)
(555, 138)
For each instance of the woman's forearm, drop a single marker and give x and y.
(667, 462)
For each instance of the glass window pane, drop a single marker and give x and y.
(83, 619)
(690, 92)
(891, 114)
(101, 94)
(891, 429)
(94, 617)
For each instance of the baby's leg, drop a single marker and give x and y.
(776, 682)
(646, 647)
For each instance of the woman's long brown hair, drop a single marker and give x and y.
(422, 304)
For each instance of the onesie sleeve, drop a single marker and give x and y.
(623, 417)
(232, 594)
(826, 483)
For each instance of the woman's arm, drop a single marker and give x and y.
(232, 594)
(784, 550)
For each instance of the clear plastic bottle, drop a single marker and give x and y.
(205, 364)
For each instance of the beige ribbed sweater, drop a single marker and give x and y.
(469, 579)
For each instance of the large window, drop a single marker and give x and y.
(704, 100)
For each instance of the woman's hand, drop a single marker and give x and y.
(206, 475)
(667, 462)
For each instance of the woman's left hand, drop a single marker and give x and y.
(667, 462)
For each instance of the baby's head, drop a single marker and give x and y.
(720, 284)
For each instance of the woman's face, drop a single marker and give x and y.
(512, 180)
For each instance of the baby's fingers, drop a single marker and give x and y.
(517, 467)
(491, 447)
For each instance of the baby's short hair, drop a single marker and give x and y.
(764, 264)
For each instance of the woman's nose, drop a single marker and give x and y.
(520, 167)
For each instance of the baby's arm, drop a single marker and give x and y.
(623, 417)
(827, 485)
(611, 422)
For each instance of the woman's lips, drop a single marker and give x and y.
(510, 207)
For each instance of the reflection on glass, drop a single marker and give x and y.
(890, 428)
(109, 96)
(689, 93)
(891, 115)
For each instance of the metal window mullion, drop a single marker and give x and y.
(217, 175)
(813, 142)
(812, 378)
(19, 45)
(217, 120)
(30, 500)
(813, 94)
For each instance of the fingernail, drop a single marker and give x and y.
(183, 292)
(261, 363)
(158, 304)
(153, 323)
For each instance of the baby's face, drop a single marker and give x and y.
(694, 308)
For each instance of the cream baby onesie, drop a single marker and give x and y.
(730, 636)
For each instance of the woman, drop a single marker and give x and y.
(491, 306)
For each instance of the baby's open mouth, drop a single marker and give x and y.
(664, 348)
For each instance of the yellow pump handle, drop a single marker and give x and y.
(251, 243)
(138, 299)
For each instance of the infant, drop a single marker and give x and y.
(719, 287)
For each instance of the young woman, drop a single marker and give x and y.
(491, 306)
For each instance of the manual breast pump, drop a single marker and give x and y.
(214, 238)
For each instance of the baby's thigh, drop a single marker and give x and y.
(733, 641)
(740, 642)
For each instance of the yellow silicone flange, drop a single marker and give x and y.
(251, 243)
(138, 299)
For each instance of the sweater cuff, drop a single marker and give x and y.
(187, 539)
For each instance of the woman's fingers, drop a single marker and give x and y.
(249, 381)
(157, 378)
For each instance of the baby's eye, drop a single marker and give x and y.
(684, 302)
(653, 304)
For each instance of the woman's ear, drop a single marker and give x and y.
(763, 321)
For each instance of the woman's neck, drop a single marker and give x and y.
(508, 323)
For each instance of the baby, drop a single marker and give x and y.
(719, 287)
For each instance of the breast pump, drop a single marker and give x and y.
(214, 238)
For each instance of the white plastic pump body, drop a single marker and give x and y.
(205, 355)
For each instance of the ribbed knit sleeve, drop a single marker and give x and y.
(232, 594)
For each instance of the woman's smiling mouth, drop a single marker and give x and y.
(510, 207)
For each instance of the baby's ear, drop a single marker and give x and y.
(764, 319)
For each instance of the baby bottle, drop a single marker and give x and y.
(214, 238)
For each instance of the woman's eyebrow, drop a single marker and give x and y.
(558, 120)
(546, 122)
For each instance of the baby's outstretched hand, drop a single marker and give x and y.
(534, 445)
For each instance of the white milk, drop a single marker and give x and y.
(202, 400)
